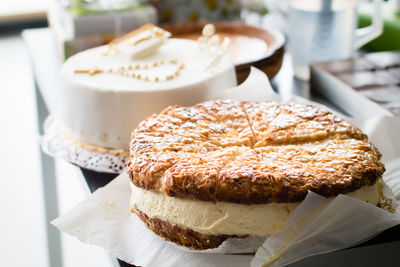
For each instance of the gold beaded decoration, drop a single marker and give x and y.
(129, 70)
(91, 72)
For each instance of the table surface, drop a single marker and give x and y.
(46, 64)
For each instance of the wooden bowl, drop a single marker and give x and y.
(269, 61)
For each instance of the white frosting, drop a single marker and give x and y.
(104, 108)
(223, 217)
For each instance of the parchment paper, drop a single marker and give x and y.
(318, 225)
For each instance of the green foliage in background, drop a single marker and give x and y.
(390, 38)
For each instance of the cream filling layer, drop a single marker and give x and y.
(223, 217)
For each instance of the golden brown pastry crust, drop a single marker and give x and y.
(181, 235)
(250, 152)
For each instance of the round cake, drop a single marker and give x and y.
(107, 93)
(225, 168)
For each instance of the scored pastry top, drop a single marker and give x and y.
(250, 152)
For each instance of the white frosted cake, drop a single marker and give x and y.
(108, 90)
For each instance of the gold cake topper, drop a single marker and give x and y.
(213, 44)
(139, 43)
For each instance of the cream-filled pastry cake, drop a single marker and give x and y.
(225, 168)
(108, 90)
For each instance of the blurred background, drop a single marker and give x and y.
(75, 25)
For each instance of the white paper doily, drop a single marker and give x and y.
(55, 143)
